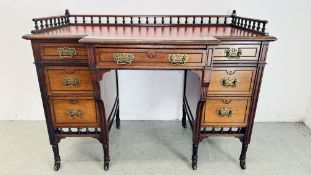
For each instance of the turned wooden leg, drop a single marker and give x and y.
(183, 120)
(118, 119)
(196, 135)
(56, 157)
(243, 156)
(106, 156)
(195, 147)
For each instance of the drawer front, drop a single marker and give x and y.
(149, 57)
(63, 51)
(65, 79)
(74, 112)
(225, 111)
(236, 53)
(235, 81)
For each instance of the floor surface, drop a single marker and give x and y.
(155, 147)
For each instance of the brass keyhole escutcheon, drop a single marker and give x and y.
(225, 112)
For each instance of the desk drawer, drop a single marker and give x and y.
(236, 53)
(145, 57)
(225, 111)
(74, 112)
(65, 79)
(63, 51)
(233, 80)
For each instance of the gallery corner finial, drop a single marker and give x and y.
(67, 12)
(233, 13)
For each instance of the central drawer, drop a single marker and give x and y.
(150, 57)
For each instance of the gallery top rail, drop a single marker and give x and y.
(52, 22)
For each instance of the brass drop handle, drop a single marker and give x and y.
(66, 52)
(124, 58)
(74, 113)
(229, 82)
(71, 82)
(233, 53)
(225, 112)
(178, 59)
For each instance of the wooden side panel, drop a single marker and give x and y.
(193, 89)
(108, 89)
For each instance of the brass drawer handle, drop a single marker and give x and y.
(124, 58)
(71, 82)
(233, 53)
(178, 59)
(225, 112)
(74, 113)
(66, 52)
(229, 82)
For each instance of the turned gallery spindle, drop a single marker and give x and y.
(58, 21)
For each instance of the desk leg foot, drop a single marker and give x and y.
(56, 166)
(106, 164)
(194, 165)
(243, 164)
(243, 156)
(56, 157)
(118, 119)
(195, 156)
(106, 157)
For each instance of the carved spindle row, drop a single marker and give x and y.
(45, 23)
(150, 20)
(77, 131)
(222, 130)
(253, 24)
(247, 23)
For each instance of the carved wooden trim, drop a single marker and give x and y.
(204, 93)
(100, 73)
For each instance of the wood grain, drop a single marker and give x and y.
(240, 105)
(149, 57)
(56, 75)
(244, 75)
(61, 105)
(249, 52)
(50, 51)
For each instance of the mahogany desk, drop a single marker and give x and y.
(223, 57)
